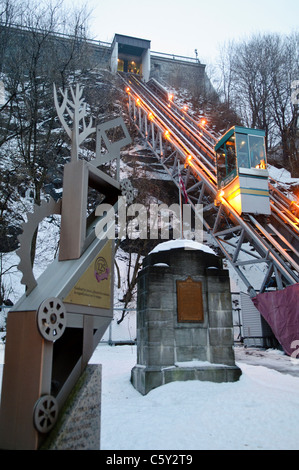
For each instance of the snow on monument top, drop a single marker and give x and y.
(186, 244)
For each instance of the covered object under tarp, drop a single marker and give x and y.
(281, 311)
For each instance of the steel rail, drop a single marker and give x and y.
(186, 123)
(175, 121)
(176, 137)
(180, 112)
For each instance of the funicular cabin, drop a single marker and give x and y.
(242, 174)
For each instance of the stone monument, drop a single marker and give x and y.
(184, 318)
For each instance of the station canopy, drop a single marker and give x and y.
(130, 52)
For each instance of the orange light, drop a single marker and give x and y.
(138, 102)
(150, 116)
(127, 89)
(185, 108)
(221, 193)
(166, 134)
(170, 97)
(188, 160)
(203, 122)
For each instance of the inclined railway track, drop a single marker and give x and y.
(184, 146)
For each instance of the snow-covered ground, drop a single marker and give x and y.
(260, 411)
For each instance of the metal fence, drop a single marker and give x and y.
(124, 332)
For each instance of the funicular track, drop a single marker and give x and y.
(185, 149)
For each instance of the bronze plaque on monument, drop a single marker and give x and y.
(189, 301)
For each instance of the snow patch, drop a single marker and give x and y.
(181, 243)
(196, 364)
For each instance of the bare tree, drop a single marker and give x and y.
(257, 75)
(226, 55)
(34, 56)
(283, 110)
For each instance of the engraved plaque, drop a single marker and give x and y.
(189, 301)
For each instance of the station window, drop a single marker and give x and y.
(226, 163)
(257, 151)
(120, 65)
(242, 150)
(251, 151)
(221, 168)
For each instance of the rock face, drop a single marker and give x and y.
(184, 318)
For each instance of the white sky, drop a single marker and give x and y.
(181, 26)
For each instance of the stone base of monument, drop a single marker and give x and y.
(79, 423)
(144, 379)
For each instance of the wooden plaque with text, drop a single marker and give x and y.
(189, 301)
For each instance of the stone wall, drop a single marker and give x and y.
(180, 73)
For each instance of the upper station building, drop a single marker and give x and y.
(130, 54)
(134, 55)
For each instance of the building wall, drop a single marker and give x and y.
(176, 72)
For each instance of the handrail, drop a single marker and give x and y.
(176, 57)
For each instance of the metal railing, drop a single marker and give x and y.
(175, 57)
(57, 34)
(112, 337)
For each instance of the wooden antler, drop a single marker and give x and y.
(76, 109)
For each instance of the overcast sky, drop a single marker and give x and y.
(181, 26)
